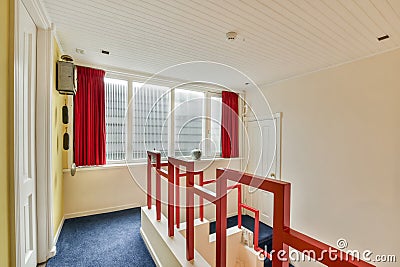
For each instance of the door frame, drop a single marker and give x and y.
(44, 77)
(277, 117)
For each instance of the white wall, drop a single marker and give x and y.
(103, 189)
(341, 151)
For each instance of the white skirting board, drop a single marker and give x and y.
(100, 211)
(166, 251)
(150, 248)
(53, 250)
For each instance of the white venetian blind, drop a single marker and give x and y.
(150, 105)
(116, 99)
(188, 118)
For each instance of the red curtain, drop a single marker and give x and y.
(230, 125)
(89, 114)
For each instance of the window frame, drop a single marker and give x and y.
(206, 127)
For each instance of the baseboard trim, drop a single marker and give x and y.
(100, 211)
(57, 235)
(53, 250)
(150, 248)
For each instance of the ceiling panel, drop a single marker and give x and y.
(276, 39)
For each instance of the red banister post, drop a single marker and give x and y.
(189, 214)
(201, 182)
(177, 198)
(170, 198)
(256, 229)
(158, 187)
(239, 187)
(221, 210)
(148, 181)
(281, 222)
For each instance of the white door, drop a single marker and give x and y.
(264, 160)
(25, 97)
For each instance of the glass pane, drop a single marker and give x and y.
(188, 121)
(150, 105)
(116, 100)
(215, 135)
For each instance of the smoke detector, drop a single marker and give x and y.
(231, 36)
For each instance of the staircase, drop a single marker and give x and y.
(264, 237)
(265, 234)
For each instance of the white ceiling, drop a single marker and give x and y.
(277, 39)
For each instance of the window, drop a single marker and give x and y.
(139, 118)
(188, 114)
(215, 128)
(116, 97)
(150, 106)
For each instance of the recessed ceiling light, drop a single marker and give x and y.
(384, 37)
(105, 52)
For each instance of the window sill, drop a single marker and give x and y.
(124, 165)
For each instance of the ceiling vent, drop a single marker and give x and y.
(384, 37)
(231, 36)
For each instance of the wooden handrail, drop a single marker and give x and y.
(283, 235)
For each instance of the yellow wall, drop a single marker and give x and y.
(340, 150)
(6, 140)
(57, 153)
(6, 120)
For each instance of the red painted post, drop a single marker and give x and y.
(256, 229)
(239, 187)
(177, 198)
(149, 181)
(158, 188)
(280, 223)
(201, 182)
(189, 214)
(170, 199)
(221, 210)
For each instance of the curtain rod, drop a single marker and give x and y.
(145, 76)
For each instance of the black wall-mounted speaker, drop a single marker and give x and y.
(65, 117)
(66, 141)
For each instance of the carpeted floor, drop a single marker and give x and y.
(111, 239)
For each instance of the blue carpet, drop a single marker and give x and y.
(111, 239)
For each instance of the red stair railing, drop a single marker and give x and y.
(174, 166)
(254, 210)
(240, 205)
(154, 161)
(283, 235)
(173, 176)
